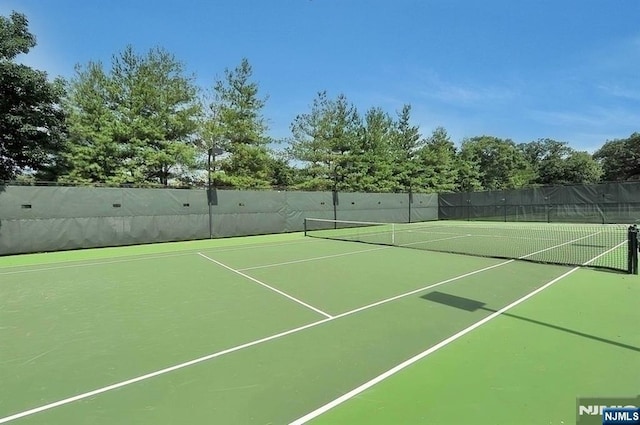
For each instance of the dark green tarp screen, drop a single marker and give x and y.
(51, 218)
(598, 203)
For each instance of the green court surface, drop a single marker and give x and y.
(287, 329)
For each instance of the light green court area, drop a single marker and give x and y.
(528, 366)
(267, 329)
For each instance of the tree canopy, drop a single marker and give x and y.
(134, 123)
(143, 120)
(32, 123)
(234, 124)
(620, 158)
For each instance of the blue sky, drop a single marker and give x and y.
(523, 70)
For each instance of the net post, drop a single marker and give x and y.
(305, 226)
(632, 254)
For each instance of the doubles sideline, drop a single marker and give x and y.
(349, 395)
(137, 257)
(301, 328)
(166, 370)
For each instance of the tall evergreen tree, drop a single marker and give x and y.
(438, 162)
(235, 125)
(134, 124)
(92, 152)
(407, 141)
(325, 141)
(372, 156)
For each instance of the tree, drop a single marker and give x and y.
(620, 159)
(157, 109)
(371, 157)
(581, 168)
(282, 173)
(500, 164)
(32, 125)
(406, 142)
(556, 162)
(135, 124)
(437, 159)
(469, 175)
(235, 125)
(92, 152)
(326, 140)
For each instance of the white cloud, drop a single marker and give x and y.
(620, 90)
(596, 117)
(465, 94)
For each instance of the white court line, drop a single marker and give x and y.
(434, 240)
(97, 263)
(234, 349)
(524, 226)
(250, 344)
(304, 260)
(253, 279)
(323, 409)
(139, 257)
(428, 232)
(324, 257)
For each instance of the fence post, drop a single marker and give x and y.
(335, 207)
(410, 202)
(468, 209)
(504, 206)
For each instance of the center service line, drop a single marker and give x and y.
(323, 409)
(284, 294)
(236, 348)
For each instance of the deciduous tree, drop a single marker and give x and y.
(620, 158)
(500, 165)
(555, 162)
(32, 127)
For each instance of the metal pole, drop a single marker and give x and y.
(335, 207)
(410, 202)
(504, 205)
(335, 195)
(209, 194)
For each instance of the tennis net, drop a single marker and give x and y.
(607, 246)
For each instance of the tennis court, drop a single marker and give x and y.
(283, 329)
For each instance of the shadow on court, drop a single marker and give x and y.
(471, 305)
